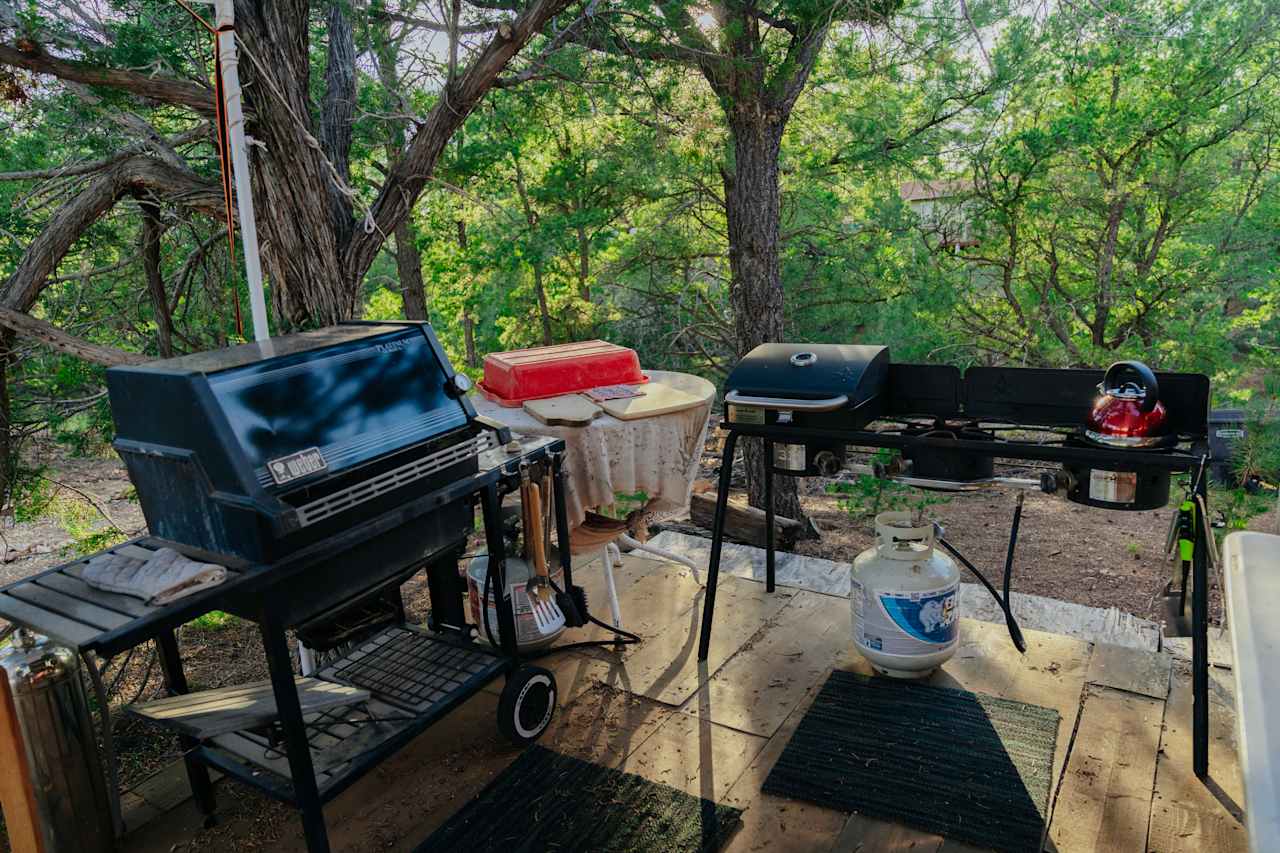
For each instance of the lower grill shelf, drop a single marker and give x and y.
(414, 679)
(410, 669)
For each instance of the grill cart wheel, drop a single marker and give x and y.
(527, 703)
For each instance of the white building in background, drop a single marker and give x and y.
(945, 210)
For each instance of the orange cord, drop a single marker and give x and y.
(224, 149)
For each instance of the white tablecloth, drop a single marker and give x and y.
(658, 455)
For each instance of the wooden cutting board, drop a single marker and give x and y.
(570, 410)
(658, 399)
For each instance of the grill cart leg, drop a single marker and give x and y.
(562, 520)
(491, 508)
(769, 557)
(176, 680)
(717, 542)
(1200, 634)
(289, 712)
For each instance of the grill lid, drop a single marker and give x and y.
(819, 373)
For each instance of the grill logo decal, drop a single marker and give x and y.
(295, 466)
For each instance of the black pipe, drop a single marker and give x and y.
(1015, 632)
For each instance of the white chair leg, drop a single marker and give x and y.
(636, 545)
(306, 660)
(610, 588)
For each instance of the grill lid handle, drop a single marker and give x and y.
(829, 404)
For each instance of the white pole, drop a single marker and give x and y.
(224, 12)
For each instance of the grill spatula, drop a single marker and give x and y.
(547, 616)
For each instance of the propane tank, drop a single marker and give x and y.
(62, 751)
(905, 599)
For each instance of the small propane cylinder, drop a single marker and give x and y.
(904, 599)
(62, 751)
(528, 637)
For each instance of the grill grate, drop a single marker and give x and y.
(410, 669)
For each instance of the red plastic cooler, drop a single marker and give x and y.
(510, 378)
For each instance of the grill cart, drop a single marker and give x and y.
(322, 470)
(808, 403)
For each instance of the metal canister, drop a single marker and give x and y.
(62, 751)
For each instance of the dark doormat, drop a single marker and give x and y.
(963, 765)
(546, 801)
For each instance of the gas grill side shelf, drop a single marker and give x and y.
(59, 604)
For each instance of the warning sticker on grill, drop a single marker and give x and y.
(295, 466)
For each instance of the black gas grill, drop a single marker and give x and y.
(327, 468)
(264, 448)
(808, 403)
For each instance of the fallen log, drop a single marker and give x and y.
(744, 523)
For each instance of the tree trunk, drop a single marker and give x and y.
(753, 212)
(409, 266)
(8, 452)
(150, 238)
(469, 340)
(544, 313)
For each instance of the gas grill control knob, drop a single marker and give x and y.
(461, 383)
(827, 463)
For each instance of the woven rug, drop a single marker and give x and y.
(963, 765)
(547, 801)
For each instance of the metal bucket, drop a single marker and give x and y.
(62, 750)
(518, 573)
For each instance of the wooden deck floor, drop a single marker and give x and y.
(1123, 760)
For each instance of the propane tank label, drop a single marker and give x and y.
(906, 623)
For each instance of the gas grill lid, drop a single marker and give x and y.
(293, 409)
(814, 377)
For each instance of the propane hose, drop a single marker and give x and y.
(1015, 632)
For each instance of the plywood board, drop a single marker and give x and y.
(213, 712)
(666, 668)
(695, 755)
(1131, 670)
(1187, 814)
(777, 824)
(1105, 798)
(658, 399)
(604, 726)
(572, 410)
(759, 687)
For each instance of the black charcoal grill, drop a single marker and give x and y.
(265, 448)
(808, 402)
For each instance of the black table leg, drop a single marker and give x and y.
(717, 542)
(176, 680)
(491, 509)
(1200, 635)
(289, 714)
(769, 556)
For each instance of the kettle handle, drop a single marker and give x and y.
(1144, 373)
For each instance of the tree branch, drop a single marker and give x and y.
(168, 90)
(410, 174)
(51, 336)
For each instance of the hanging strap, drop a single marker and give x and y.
(224, 147)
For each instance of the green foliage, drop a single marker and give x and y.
(31, 493)
(214, 620)
(865, 496)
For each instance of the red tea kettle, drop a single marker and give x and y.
(1128, 411)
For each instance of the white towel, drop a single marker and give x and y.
(166, 577)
